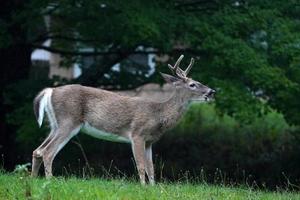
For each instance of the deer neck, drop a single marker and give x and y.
(174, 107)
(179, 100)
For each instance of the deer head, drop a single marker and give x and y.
(196, 90)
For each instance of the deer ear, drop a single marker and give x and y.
(169, 79)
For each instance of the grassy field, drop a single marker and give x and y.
(19, 187)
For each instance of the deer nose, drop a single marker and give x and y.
(211, 92)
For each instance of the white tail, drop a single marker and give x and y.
(45, 105)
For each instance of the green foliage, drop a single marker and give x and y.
(249, 49)
(248, 58)
(15, 187)
(257, 151)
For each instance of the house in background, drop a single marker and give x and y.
(52, 61)
(47, 64)
(43, 58)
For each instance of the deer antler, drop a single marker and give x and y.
(174, 69)
(179, 72)
(189, 67)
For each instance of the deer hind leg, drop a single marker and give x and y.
(37, 157)
(149, 163)
(61, 137)
(138, 149)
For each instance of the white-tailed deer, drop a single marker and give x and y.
(107, 115)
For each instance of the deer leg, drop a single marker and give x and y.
(62, 136)
(36, 164)
(149, 164)
(138, 149)
(37, 157)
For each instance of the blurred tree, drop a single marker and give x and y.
(249, 49)
(15, 51)
(113, 29)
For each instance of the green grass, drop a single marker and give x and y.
(18, 187)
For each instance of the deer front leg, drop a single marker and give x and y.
(149, 164)
(138, 150)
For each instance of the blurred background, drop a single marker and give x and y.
(248, 50)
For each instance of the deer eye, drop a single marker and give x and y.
(192, 85)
